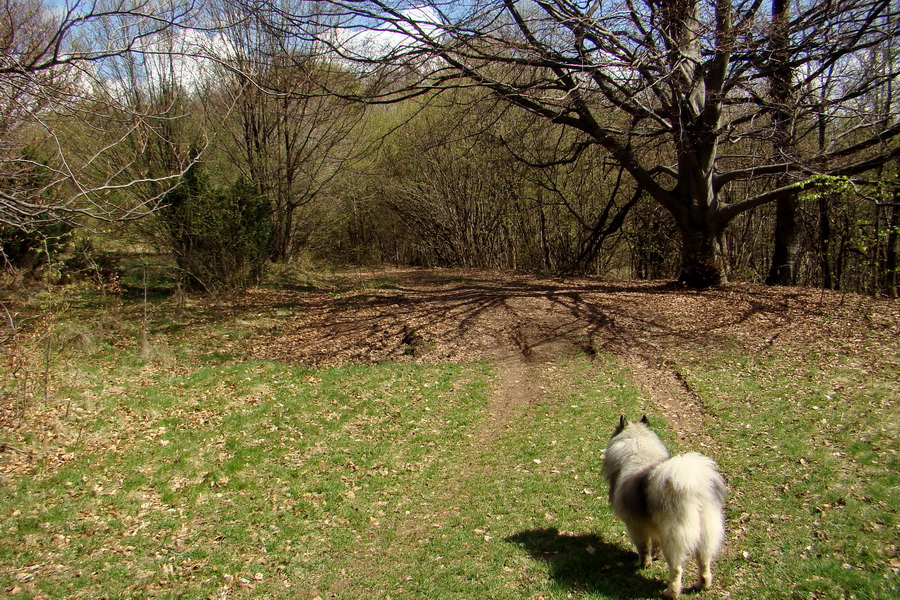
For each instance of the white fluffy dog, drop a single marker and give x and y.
(671, 504)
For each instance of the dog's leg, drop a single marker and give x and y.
(675, 558)
(710, 541)
(645, 556)
(675, 573)
(704, 568)
(641, 541)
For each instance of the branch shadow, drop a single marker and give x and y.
(435, 316)
(587, 563)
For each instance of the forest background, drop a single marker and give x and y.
(229, 134)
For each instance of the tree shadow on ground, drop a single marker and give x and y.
(459, 316)
(587, 563)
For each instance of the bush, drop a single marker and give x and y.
(28, 250)
(220, 238)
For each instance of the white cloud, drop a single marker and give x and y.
(387, 39)
(186, 57)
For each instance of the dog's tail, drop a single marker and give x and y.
(687, 493)
(687, 478)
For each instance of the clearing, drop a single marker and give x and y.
(524, 323)
(438, 434)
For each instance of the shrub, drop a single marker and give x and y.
(220, 238)
(29, 249)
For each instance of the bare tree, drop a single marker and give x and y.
(289, 140)
(459, 193)
(65, 123)
(687, 80)
(579, 203)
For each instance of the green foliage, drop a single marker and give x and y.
(220, 237)
(818, 185)
(852, 244)
(33, 243)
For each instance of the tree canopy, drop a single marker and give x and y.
(709, 108)
(55, 87)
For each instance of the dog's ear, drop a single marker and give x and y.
(623, 422)
(645, 420)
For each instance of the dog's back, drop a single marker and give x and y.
(685, 480)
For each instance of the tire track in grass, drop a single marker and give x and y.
(670, 395)
(537, 333)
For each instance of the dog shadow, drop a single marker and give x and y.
(587, 563)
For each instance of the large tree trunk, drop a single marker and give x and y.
(783, 270)
(697, 107)
(696, 210)
(700, 262)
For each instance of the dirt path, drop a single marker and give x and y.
(539, 333)
(672, 397)
(522, 323)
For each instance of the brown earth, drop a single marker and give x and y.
(523, 323)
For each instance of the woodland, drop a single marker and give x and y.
(697, 141)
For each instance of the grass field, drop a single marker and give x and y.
(182, 468)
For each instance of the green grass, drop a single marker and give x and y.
(197, 474)
(810, 444)
(252, 471)
(271, 481)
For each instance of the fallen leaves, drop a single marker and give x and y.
(490, 315)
